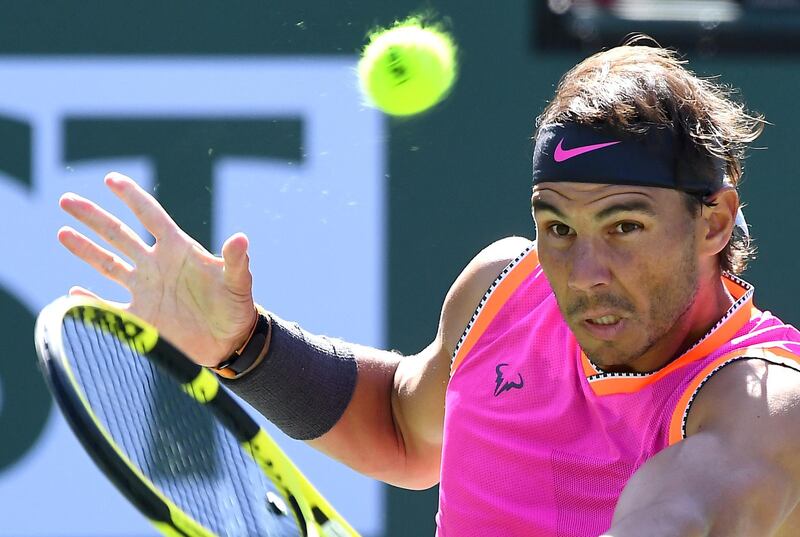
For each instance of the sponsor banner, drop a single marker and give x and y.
(281, 149)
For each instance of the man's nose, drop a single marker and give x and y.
(589, 268)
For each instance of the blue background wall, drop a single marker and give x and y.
(453, 180)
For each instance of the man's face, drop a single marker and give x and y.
(623, 263)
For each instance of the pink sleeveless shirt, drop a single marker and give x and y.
(537, 440)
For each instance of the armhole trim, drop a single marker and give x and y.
(498, 294)
(775, 354)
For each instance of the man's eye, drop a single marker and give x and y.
(561, 230)
(627, 227)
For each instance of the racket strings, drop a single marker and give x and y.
(174, 442)
(137, 431)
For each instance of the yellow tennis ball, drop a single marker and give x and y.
(408, 68)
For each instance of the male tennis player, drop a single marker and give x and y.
(617, 379)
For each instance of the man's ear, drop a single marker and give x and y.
(718, 221)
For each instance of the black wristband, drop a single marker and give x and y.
(240, 363)
(304, 382)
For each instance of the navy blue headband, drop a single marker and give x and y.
(589, 154)
(586, 154)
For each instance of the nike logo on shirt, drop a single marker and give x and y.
(562, 154)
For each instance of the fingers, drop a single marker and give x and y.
(237, 264)
(106, 263)
(82, 291)
(144, 206)
(106, 225)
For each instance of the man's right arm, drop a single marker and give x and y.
(392, 429)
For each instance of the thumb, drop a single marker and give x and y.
(237, 263)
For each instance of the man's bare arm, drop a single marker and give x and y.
(202, 303)
(736, 474)
(392, 428)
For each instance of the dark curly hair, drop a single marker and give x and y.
(638, 86)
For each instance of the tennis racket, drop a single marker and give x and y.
(167, 434)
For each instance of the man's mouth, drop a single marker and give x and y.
(606, 327)
(605, 320)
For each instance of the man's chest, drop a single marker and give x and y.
(540, 445)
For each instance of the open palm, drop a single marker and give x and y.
(200, 302)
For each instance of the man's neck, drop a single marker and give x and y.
(710, 304)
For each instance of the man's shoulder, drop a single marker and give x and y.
(752, 402)
(500, 253)
(503, 251)
(474, 281)
(487, 265)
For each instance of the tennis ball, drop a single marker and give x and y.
(407, 68)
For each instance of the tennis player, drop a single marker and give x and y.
(617, 379)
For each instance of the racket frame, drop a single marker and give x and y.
(314, 515)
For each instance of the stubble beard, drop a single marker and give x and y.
(669, 300)
(669, 303)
